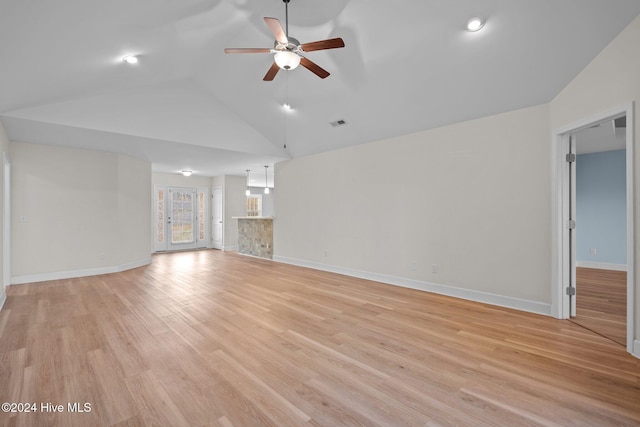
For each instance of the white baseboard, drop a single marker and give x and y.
(467, 294)
(636, 349)
(229, 248)
(3, 297)
(602, 265)
(60, 275)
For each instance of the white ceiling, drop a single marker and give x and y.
(407, 66)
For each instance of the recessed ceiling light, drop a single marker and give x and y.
(286, 106)
(187, 173)
(475, 24)
(130, 59)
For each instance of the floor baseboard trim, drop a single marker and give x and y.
(602, 265)
(3, 297)
(636, 349)
(61, 275)
(467, 294)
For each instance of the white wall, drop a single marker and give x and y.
(234, 204)
(134, 201)
(77, 212)
(472, 198)
(179, 180)
(610, 81)
(4, 148)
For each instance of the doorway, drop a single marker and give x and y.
(566, 281)
(217, 218)
(600, 232)
(180, 218)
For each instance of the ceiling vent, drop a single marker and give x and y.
(338, 123)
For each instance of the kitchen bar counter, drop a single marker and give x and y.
(255, 236)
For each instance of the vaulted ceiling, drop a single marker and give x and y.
(407, 66)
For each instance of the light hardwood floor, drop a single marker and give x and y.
(601, 303)
(214, 338)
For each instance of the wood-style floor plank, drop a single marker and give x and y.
(601, 304)
(213, 338)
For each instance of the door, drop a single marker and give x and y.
(217, 225)
(571, 226)
(182, 219)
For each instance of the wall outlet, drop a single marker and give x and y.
(434, 268)
(594, 251)
(101, 255)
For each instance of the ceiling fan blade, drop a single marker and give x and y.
(323, 44)
(271, 74)
(276, 29)
(247, 50)
(314, 68)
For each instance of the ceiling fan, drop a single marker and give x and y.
(289, 52)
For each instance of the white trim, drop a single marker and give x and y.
(558, 199)
(467, 294)
(6, 222)
(636, 349)
(601, 265)
(3, 297)
(60, 275)
(230, 248)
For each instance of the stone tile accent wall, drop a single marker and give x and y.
(255, 237)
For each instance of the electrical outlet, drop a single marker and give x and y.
(594, 251)
(434, 268)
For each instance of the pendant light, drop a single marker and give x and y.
(248, 192)
(266, 186)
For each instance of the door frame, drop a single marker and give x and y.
(560, 266)
(6, 222)
(165, 245)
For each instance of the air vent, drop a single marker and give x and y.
(338, 123)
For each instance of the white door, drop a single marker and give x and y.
(572, 225)
(182, 219)
(217, 225)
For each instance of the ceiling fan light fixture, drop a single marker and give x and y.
(475, 24)
(287, 60)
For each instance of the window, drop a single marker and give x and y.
(254, 205)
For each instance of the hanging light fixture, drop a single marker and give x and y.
(266, 181)
(248, 192)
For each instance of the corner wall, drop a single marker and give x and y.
(461, 210)
(234, 203)
(77, 212)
